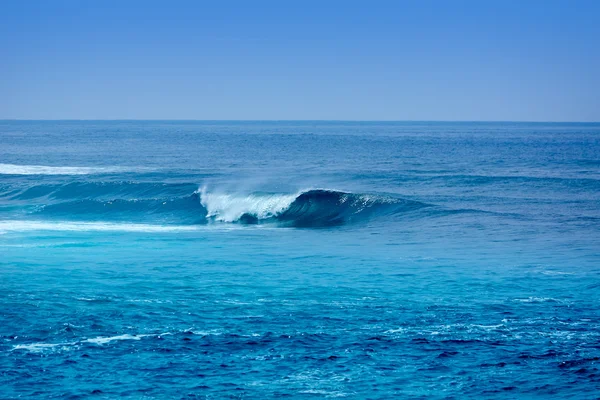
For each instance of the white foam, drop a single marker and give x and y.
(556, 273)
(86, 298)
(103, 340)
(488, 327)
(399, 330)
(14, 169)
(207, 333)
(100, 340)
(24, 226)
(324, 393)
(537, 300)
(229, 208)
(39, 347)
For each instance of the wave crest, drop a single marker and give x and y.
(225, 207)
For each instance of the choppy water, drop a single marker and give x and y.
(304, 259)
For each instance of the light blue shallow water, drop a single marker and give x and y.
(299, 259)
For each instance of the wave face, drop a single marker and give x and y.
(175, 210)
(330, 208)
(183, 204)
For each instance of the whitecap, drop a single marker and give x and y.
(40, 347)
(399, 330)
(324, 393)
(107, 339)
(207, 333)
(556, 273)
(536, 300)
(100, 340)
(15, 169)
(487, 327)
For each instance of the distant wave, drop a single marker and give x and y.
(184, 204)
(312, 208)
(15, 169)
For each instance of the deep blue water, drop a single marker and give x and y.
(299, 259)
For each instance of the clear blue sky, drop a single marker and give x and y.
(527, 60)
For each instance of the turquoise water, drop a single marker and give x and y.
(299, 259)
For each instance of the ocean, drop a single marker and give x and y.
(371, 260)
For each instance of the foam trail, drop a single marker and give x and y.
(14, 169)
(25, 226)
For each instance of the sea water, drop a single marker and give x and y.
(157, 259)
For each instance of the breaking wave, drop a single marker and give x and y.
(184, 204)
(311, 208)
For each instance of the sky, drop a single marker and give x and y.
(447, 60)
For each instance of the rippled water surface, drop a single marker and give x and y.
(299, 259)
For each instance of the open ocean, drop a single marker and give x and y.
(418, 260)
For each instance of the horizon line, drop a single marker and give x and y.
(283, 120)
